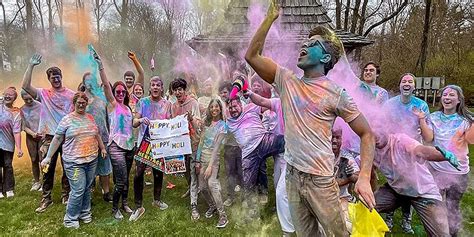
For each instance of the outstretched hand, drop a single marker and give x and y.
(364, 193)
(132, 56)
(273, 10)
(420, 114)
(35, 59)
(96, 56)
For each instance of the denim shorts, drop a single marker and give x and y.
(104, 167)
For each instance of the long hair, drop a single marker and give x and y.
(126, 100)
(461, 108)
(208, 120)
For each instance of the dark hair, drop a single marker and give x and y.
(266, 88)
(179, 83)
(208, 120)
(53, 71)
(377, 67)
(78, 95)
(225, 85)
(126, 100)
(129, 74)
(332, 43)
(461, 108)
(236, 98)
(81, 87)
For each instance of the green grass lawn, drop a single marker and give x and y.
(17, 216)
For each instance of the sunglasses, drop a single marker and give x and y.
(313, 42)
(121, 92)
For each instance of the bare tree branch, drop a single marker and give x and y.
(396, 12)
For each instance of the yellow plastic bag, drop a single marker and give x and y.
(366, 223)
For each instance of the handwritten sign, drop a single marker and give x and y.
(160, 129)
(173, 146)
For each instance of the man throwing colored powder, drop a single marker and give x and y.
(310, 105)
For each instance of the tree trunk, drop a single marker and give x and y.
(424, 42)
(50, 21)
(29, 26)
(40, 13)
(338, 14)
(346, 14)
(362, 17)
(355, 16)
(5, 33)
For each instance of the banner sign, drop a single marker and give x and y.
(165, 150)
(167, 128)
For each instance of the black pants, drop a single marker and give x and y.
(121, 160)
(7, 179)
(138, 184)
(48, 177)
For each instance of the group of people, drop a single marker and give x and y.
(321, 163)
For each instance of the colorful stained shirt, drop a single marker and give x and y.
(191, 105)
(310, 106)
(405, 173)
(445, 128)
(401, 116)
(272, 119)
(98, 109)
(121, 130)
(374, 92)
(10, 123)
(30, 115)
(247, 128)
(152, 110)
(206, 146)
(54, 106)
(80, 138)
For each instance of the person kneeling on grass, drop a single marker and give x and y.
(80, 151)
(207, 164)
(402, 160)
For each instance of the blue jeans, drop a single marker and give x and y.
(80, 178)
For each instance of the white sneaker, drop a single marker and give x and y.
(10, 194)
(237, 188)
(36, 186)
(1, 195)
(161, 205)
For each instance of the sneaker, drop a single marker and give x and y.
(194, 212)
(222, 221)
(137, 214)
(40, 189)
(389, 222)
(36, 186)
(117, 214)
(210, 212)
(1, 195)
(263, 199)
(127, 209)
(86, 220)
(148, 183)
(406, 227)
(186, 194)
(10, 194)
(228, 202)
(107, 197)
(44, 205)
(237, 188)
(71, 226)
(64, 200)
(159, 204)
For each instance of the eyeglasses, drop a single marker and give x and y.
(123, 92)
(313, 42)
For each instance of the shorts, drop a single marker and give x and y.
(104, 167)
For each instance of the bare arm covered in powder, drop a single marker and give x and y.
(215, 154)
(367, 149)
(263, 66)
(53, 147)
(428, 153)
(26, 83)
(141, 73)
(105, 82)
(259, 100)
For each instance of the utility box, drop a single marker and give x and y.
(428, 87)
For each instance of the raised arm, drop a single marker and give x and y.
(26, 83)
(259, 100)
(103, 77)
(436, 154)
(367, 149)
(426, 131)
(141, 73)
(263, 66)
